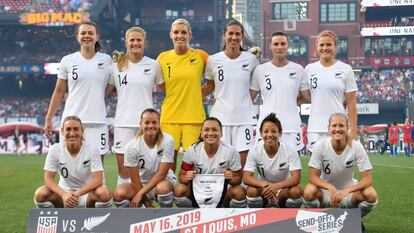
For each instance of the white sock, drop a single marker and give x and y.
(311, 204)
(122, 204)
(46, 204)
(166, 200)
(294, 203)
(183, 202)
(238, 204)
(366, 207)
(107, 204)
(255, 202)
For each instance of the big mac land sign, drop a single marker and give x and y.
(53, 18)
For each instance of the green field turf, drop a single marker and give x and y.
(392, 177)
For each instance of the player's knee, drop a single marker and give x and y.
(295, 192)
(181, 190)
(120, 193)
(309, 193)
(42, 194)
(370, 195)
(238, 193)
(252, 192)
(103, 194)
(163, 188)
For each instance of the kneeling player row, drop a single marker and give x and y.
(150, 154)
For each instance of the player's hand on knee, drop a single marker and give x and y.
(228, 175)
(189, 175)
(136, 201)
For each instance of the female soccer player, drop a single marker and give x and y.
(228, 74)
(332, 166)
(280, 82)
(148, 158)
(182, 68)
(278, 165)
(332, 85)
(80, 169)
(134, 76)
(211, 156)
(86, 75)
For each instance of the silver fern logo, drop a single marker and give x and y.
(92, 222)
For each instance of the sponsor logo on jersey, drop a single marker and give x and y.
(313, 75)
(221, 164)
(159, 153)
(61, 163)
(245, 66)
(292, 75)
(140, 156)
(219, 67)
(168, 63)
(47, 224)
(192, 60)
(349, 164)
(147, 70)
(267, 75)
(100, 65)
(319, 222)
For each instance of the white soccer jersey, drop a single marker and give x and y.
(75, 172)
(87, 81)
(338, 170)
(134, 88)
(226, 157)
(279, 88)
(232, 77)
(328, 87)
(274, 169)
(148, 160)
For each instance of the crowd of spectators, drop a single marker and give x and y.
(25, 107)
(390, 85)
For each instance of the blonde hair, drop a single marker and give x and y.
(327, 33)
(74, 118)
(348, 138)
(160, 136)
(181, 21)
(121, 58)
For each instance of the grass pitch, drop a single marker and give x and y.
(392, 178)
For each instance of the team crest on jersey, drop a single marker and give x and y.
(349, 163)
(339, 75)
(86, 163)
(283, 166)
(292, 75)
(222, 164)
(245, 66)
(47, 224)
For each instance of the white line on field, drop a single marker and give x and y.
(389, 165)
